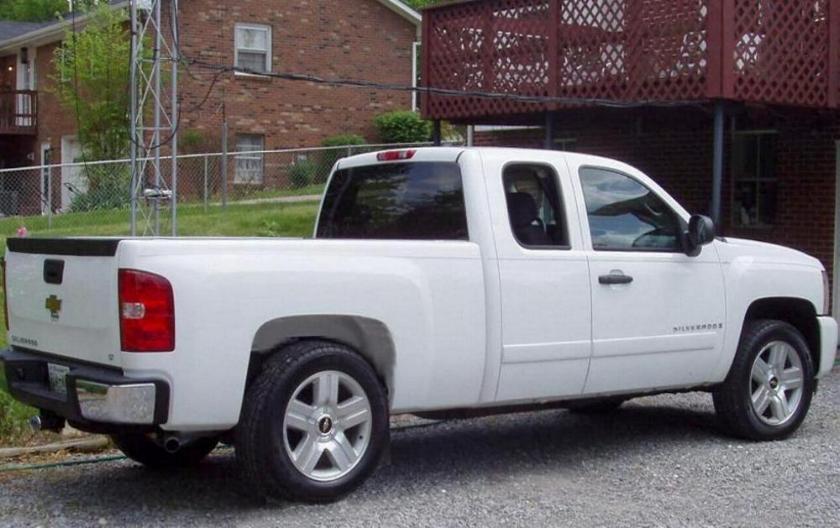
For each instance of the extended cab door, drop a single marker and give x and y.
(657, 314)
(545, 296)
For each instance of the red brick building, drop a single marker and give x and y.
(651, 76)
(358, 39)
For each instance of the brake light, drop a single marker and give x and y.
(396, 155)
(5, 295)
(147, 312)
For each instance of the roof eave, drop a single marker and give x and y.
(48, 34)
(404, 11)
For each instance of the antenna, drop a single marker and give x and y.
(154, 58)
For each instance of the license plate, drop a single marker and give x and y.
(58, 377)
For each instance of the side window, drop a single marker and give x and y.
(534, 206)
(625, 215)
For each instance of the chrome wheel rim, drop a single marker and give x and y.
(326, 425)
(776, 383)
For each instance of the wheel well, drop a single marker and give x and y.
(798, 312)
(369, 337)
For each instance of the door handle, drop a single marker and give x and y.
(615, 278)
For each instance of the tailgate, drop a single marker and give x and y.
(62, 297)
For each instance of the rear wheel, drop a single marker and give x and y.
(767, 393)
(314, 423)
(143, 449)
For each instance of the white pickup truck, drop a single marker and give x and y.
(441, 282)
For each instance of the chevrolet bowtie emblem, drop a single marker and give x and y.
(53, 304)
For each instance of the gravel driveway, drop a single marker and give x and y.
(660, 461)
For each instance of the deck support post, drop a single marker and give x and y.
(717, 167)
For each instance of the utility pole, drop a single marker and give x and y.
(154, 59)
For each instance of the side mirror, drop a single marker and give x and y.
(701, 231)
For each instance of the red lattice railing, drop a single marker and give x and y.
(772, 51)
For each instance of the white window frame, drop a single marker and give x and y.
(246, 176)
(237, 47)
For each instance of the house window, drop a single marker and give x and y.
(253, 47)
(249, 158)
(754, 179)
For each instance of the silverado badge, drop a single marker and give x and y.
(53, 304)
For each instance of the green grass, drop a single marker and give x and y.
(262, 219)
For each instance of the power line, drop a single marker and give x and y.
(445, 92)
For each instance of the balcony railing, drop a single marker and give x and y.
(765, 51)
(19, 112)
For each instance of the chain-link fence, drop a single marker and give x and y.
(273, 192)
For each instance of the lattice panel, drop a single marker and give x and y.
(781, 52)
(492, 46)
(773, 51)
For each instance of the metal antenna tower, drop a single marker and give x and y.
(154, 113)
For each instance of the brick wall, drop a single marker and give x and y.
(358, 39)
(54, 121)
(675, 148)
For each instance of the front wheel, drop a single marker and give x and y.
(314, 423)
(767, 393)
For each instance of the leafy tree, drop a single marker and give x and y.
(418, 4)
(32, 10)
(91, 81)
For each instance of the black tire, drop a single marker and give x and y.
(602, 406)
(261, 452)
(732, 398)
(141, 448)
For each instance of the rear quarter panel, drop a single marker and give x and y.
(429, 295)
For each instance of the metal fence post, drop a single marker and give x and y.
(49, 197)
(224, 163)
(206, 162)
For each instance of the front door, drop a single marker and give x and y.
(657, 314)
(546, 329)
(73, 183)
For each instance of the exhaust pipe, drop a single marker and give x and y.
(172, 444)
(46, 421)
(35, 423)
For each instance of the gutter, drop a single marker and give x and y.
(48, 34)
(404, 11)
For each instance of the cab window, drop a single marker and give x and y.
(404, 201)
(624, 215)
(534, 206)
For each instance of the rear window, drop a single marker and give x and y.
(404, 201)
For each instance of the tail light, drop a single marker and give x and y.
(5, 295)
(147, 312)
(396, 155)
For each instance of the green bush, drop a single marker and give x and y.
(402, 127)
(301, 173)
(327, 158)
(341, 140)
(14, 416)
(107, 188)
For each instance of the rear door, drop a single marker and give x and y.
(657, 314)
(62, 298)
(545, 295)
